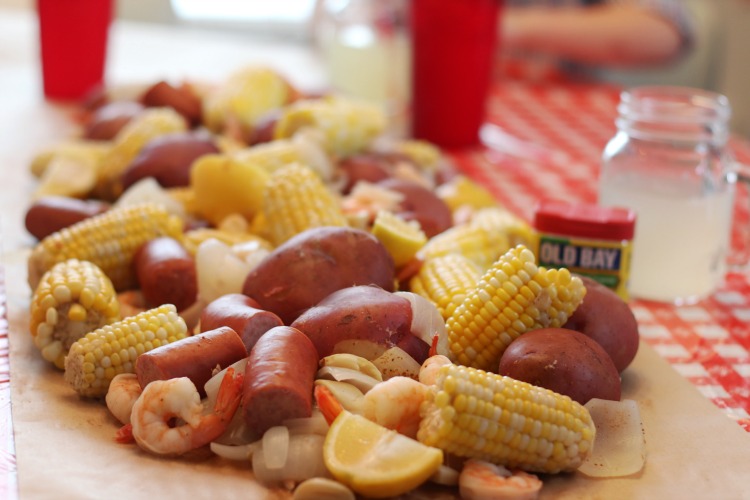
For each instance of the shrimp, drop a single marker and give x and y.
(395, 404)
(480, 480)
(429, 369)
(164, 401)
(121, 396)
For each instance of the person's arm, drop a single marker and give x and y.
(615, 35)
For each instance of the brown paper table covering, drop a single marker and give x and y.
(58, 446)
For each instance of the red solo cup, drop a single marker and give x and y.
(73, 45)
(453, 46)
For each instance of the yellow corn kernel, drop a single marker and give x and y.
(296, 200)
(83, 150)
(95, 359)
(347, 126)
(511, 298)
(137, 133)
(463, 192)
(108, 240)
(303, 147)
(477, 414)
(445, 280)
(64, 309)
(500, 220)
(474, 242)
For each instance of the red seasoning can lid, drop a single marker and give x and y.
(584, 220)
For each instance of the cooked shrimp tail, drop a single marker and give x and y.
(124, 434)
(327, 403)
(480, 480)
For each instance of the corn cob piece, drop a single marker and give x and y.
(476, 414)
(95, 359)
(148, 125)
(425, 154)
(296, 200)
(445, 281)
(496, 219)
(306, 148)
(75, 149)
(108, 240)
(72, 299)
(347, 126)
(474, 242)
(463, 192)
(244, 97)
(512, 297)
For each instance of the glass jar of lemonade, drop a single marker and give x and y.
(669, 162)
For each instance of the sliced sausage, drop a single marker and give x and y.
(279, 379)
(166, 273)
(194, 357)
(50, 214)
(240, 313)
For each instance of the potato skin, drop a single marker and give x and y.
(315, 263)
(421, 204)
(606, 318)
(564, 361)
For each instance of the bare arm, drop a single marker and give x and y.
(605, 35)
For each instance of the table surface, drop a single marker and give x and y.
(553, 134)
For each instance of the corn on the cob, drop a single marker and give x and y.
(347, 126)
(472, 241)
(305, 148)
(95, 359)
(425, 154)
(244, 97)
(476, 414)
(461, 191)
(74, 149)
(72, 299)
(148, 125)
(109, 240)
(296, 200)
(500, 220)
(512, 297)
(445, 281)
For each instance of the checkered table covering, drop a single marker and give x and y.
(552, 137)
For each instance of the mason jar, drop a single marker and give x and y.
(669, 162)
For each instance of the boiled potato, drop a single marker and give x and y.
(564, 361)
(606, 318)
(315, 263)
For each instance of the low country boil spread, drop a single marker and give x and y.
(272, 276)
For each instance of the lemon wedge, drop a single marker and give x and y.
(401, 238)
(374, 461)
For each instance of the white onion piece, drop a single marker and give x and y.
(314, 424)
(354, 362)
(148, 190)
(304, 460)
(358, 379)
(235, 452)
(426, 321)
(275, 442)
(447, 476)
(397, 362)
(365, 348)
(212, 385)
(620, 445)
(220, 271)
(348, 396)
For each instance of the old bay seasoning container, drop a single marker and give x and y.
(588, 239)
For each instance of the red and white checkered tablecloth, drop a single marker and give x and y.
(556, 134)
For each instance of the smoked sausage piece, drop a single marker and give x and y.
(279, 379)
(50, 214)
(193, 357)
(166, 273)
(242, 314)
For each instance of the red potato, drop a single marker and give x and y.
(366, 314)
(242, 314)
(564, 361)
(193, 357)
(50, 214)
(422, 205)
(262, 130)
(310, 266)
(182, 99)
(166, 273)
(110, 118)
(606, 318)
(279, 378)
(368, 167)
(169, 158)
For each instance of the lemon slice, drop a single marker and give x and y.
(374, 461)
(401, 238)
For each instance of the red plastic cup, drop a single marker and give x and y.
(73, 44)
(453, 46)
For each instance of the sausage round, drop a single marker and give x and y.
(166, 273)
(279, 379)
(194, 357)
(242, 314)
(53, 213)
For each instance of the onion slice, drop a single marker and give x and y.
(276, 447)
(426, 321)
(397, 362)
(234, 452)
(619, 446)
(358, 379)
